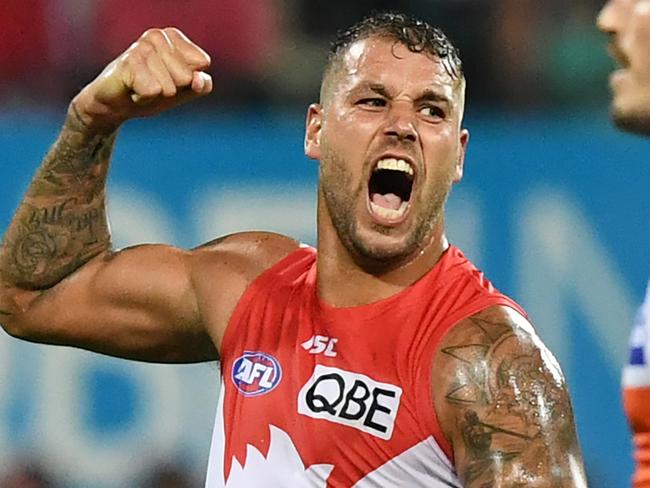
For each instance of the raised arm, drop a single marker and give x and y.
(502, 402)
(60, 281)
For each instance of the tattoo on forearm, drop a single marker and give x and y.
(510, 406)
(61, 223)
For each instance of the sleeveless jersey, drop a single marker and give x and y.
(636, 392)
(636, 372)
(318, 396)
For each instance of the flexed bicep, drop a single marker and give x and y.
(149, 302)
(138, 303)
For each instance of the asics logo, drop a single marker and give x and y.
(318, 344)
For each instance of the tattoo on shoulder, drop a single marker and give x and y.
(511, 408)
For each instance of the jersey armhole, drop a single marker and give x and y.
(424, 400)
(261, 282)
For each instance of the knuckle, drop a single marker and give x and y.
(151, 33)
(175, 33)
(154, 38)
(142, 49)
(127, 60)
(150, 89)
(172, 30)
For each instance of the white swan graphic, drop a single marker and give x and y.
(422, 465)
(281, 467)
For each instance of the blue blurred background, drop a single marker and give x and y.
(553, 206)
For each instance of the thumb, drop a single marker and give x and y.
(201, 83)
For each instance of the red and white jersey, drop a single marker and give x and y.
(317, 396)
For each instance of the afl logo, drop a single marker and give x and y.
(256, 373)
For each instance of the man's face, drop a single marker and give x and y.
(390, 145)
(628, 23)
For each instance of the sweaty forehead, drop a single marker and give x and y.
(391, 63)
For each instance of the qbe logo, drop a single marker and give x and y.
(350, 399)
(256, 373)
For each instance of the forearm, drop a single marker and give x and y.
(61, 222)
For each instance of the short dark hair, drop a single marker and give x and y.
(418, 36)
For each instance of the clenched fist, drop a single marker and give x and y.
(162, 69)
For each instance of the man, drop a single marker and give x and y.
(385, 359)
(628, 24)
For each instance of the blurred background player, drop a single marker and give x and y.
(628, 24)
(28, 475)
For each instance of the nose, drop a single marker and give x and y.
(401, 123)
(607, 17)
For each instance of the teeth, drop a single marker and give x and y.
(389, 213)
(395, 165)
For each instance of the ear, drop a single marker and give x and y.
(460, 163)
(313, 127)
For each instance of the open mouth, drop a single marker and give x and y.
(389, 188)
(619, 56)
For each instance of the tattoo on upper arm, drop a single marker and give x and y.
(61, 223)
(512, 411)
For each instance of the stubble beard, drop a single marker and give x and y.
(633, 122)
(631, 113)
(341, 201)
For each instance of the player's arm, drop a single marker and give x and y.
(150, 302)
(60, 281)
(502, 402)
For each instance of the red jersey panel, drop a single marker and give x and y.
(317, 396)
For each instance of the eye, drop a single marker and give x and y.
(433, 112)
(372, 102)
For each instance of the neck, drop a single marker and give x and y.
(343, 282)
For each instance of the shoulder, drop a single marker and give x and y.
(239, 258)
(221, 271)
(493, 325)
(501, 401)
(482, 350)
(255, 250)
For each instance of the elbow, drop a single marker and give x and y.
(12, 317)
(20, 328)
(7, 321)
(10, 328)
(10, 325)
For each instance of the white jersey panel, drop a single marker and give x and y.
(215, 476)
(423, 465)
(637, 369)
